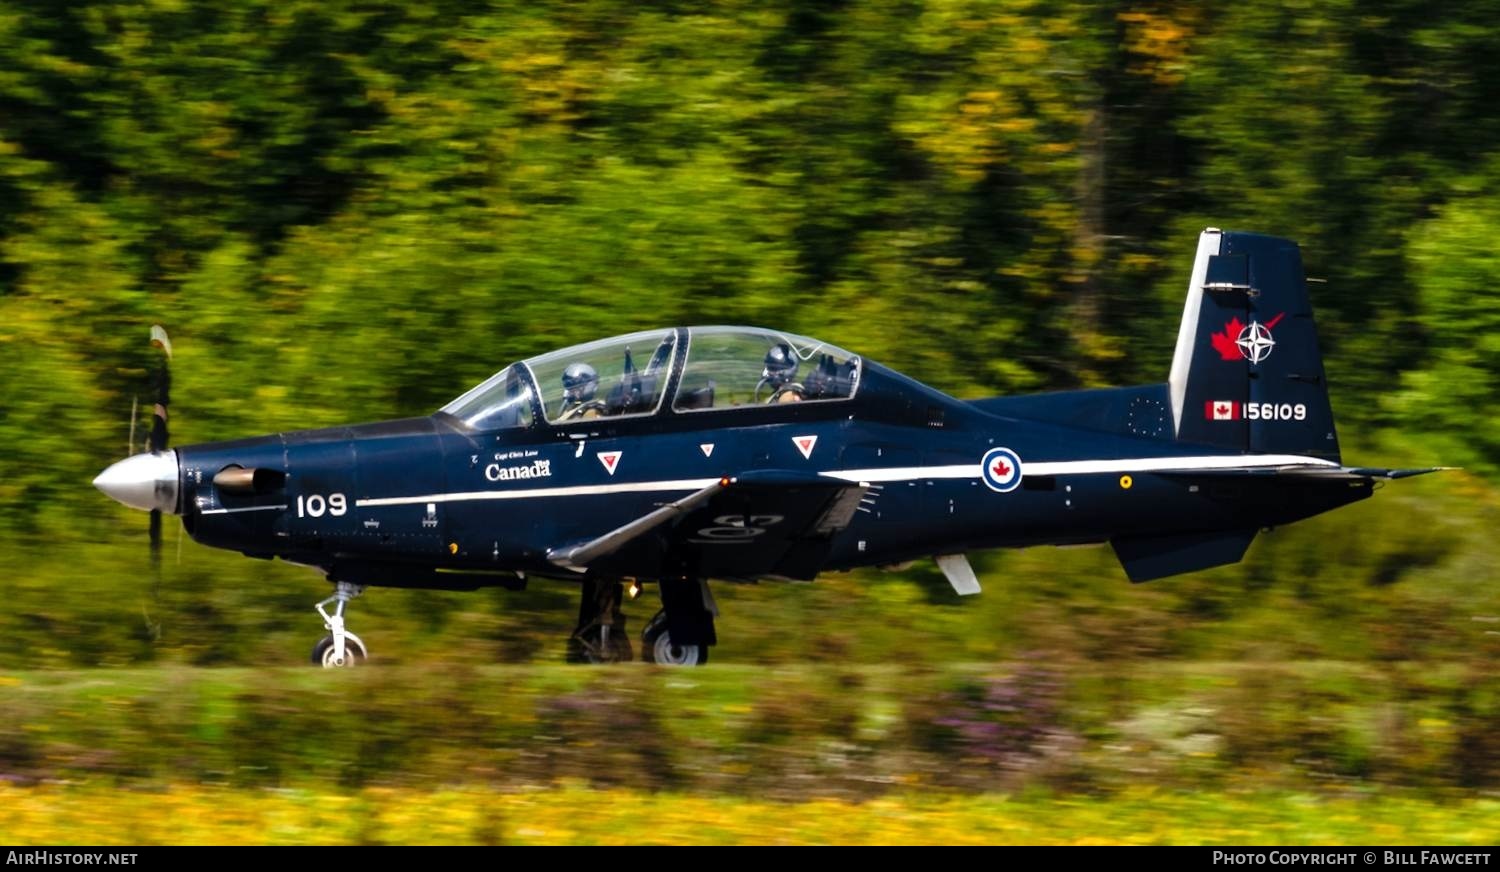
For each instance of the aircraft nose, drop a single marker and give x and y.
(145, 481)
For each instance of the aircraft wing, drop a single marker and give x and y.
(765, 522)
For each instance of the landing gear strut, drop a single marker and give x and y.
(340, 647)
(600, 636)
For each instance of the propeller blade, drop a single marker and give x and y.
(158, 438)
(157, 442)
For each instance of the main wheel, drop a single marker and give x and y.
(322, 653)
(657, 646)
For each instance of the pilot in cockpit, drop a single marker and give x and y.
(779, 375)
(580, 384)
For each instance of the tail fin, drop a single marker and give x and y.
(1247, 373)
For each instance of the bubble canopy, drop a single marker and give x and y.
(623, 376)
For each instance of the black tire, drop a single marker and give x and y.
(657, 647)
(354, 653)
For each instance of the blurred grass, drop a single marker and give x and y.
(790, 733)
(577, 815)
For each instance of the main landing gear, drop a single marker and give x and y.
(681, 633)
(600, 636)
(340, 647)
(678, 635)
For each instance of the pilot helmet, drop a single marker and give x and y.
(580, 381)
(781, 365)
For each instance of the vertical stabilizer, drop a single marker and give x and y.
(1247, 373)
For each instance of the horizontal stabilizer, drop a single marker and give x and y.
(1150, 557)
(1332, 472)
(1372, 472)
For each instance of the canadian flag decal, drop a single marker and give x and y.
(805, 445)
(1221, 410)
(611, 460)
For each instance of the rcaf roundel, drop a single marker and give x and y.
(611, 460)
(805, 445)
(1001, 469)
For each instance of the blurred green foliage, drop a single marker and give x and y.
(351, 211)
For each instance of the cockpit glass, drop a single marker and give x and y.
(500, 402)
(729, 367)
(611, 378)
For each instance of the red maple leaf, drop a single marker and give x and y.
(1224, 342)
(1000, 469)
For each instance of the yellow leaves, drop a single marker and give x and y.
(529, 62)
(979, 131)
(1016, 97)
(1160, 44)
(548, 81)
(572, 814)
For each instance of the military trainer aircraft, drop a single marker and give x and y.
(679, 455)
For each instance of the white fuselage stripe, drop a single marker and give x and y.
(899, 473)
(1086, 467)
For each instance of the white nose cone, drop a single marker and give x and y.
(145, 481)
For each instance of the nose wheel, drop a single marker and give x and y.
(324, 653)
(340, 647)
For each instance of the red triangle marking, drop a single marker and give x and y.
(610, 459)
(805, 445)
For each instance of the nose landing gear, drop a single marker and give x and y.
(340, 647)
